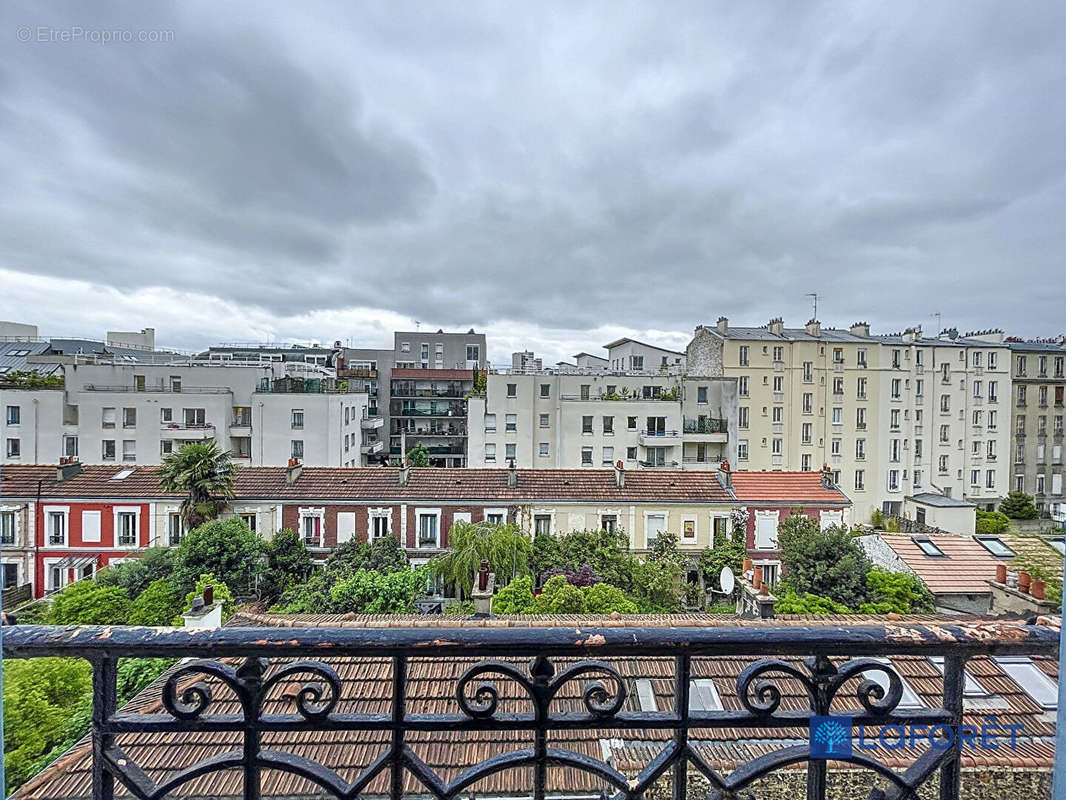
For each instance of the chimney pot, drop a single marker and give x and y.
(1001, 573)
(209, 595)
(756, 578)
(512, 475)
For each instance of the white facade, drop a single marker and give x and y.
(138, 413)
(565, 421)
(629, 355)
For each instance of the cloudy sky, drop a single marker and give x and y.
(556, 175)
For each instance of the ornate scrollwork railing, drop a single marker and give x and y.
(236, 663)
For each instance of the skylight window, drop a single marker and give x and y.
(927, 547)
(995, 546)
(646, 695)
(703, 695)
(122, 475)
(970, 687)
(1032, 679)
(1059, 544)
(908, 699)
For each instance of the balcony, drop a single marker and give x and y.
(203, 430)
(659, 438)
(369, 423)
(431, 409)
(246, 704)
(658, 465)
(403, 390)
(708, 429)
(370, 448)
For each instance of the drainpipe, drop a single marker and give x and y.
(1058, 782)
(38, 531)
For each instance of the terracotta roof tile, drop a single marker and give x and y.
(784, 487)
(965, 568)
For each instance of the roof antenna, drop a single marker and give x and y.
(418, 325)
(938, 328)
(815, 296)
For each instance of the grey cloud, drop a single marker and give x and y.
(550, 165)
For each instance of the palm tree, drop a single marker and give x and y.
(506, 547)
(204, 474)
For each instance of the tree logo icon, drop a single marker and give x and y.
(830, 737)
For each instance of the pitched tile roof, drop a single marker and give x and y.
(382, 483)
(965, 568)
(1034, 550)
(430, 689)
(785, 487)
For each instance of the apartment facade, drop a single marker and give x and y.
(138, 413)
(595, 419)
(890, 415)
(1038, 383)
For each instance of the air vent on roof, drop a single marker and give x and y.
(121, 475)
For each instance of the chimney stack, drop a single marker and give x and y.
(404, 475)
(205, 612)
(293, 471)
(67, 469)
(827, 477)
(619, 474)
(776, 326)
(726, 474)
(814, 328)
(512, 475)
(723, 325)
(860, 329)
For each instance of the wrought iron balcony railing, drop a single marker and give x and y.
(236, 694)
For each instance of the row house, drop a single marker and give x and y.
(62, 524)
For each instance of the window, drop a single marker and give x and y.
(7, 527)
(919, 387)
(778, 414)
(608, 426)
(512, 390)
(1031, 679)
(297, 449)
(837, 415)
(860, 356)
(834, 447)
(509, 451)
(742, 417)
(10, 575)
(775, 446)
(173, 529)
(893, 450)
(805, 462)
(917, 448)
(166, 446)
(743, 355)
(808, 402)
(990, 478)
(838, 355)
(860, 418)
(779, 384)
(609, 522)
(544, 453)
(14, 415)
(917, 478)
(586, 425)
(977, 388)
(927, 546)
(424, 351)
(405, 347)
(860, 387)
(945, 433)
(380, 524)
(945, 403)
(742, 386)
(473, 352)
(108, 450)
(297, 419)
(942, 465)
(701, 394)
(995, 546)
(490, 453)
(195, 417)
(654, 524)
(742, 449)
(860, 449)
(893, 418)
(311, 527)
(14, 448)
(166, 415)
(586, 456)
(896, 384)
(126, 524)
(805, 433)
(631, 423)
(511, 422)
(1021, 395)
(545, 421)
(608, 456)
(860, 479)
(808, 371)
(703, 695)
(545, 390)
(129, 418)
(57, 527)
(490, 423)
(766, 530)
(631, 454)
(893, 480)
(129, 449)
(107, 418)
(542, 524)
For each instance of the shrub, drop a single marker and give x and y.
(461, 609)
(222, 595)
(991, 523)
(135, 575)
(514, 598)
(581, 577)
(559, 597)
(606, 599)
(877, 518)
(220, 547)
(896, 592)
(89, 603)
(808, 603)
(288, 563)
(156, 605)
(826, 563)
(1019, 505)
(368, 592)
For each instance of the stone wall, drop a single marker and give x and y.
(703, 356)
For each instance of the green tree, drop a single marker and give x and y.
(156, 605)
(204, 474)
(895, 592)
(368, 592)
(386, 555)
(221, 591)
(220, 547)
(605, 552)
(991, 523)
(40, 696)
(807, 603)
(828, 563)
(135, 575)
(1019, 505)
(288, 563)
(546, 556)
(31, 379)
(559, 597)
(726, 551)
(506, 548)
(606, 599)
(89, 603)
(514, 598)
(418, 456)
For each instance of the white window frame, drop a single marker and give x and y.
(829, 517)
(311, 512)
(64, 575)
(427, 512)
(695, 520)
(65, 512)
(14, 512)
(495, 512)
(542, 512)
(115, 512)
(769, 543)
(655, 512)
(87, 514)
(374, 513)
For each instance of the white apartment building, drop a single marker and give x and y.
(573, 419)
(629, 355)
(891, 415)
(264, 414)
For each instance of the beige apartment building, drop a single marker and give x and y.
(891, 415)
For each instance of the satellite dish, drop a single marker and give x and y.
(727, 581)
